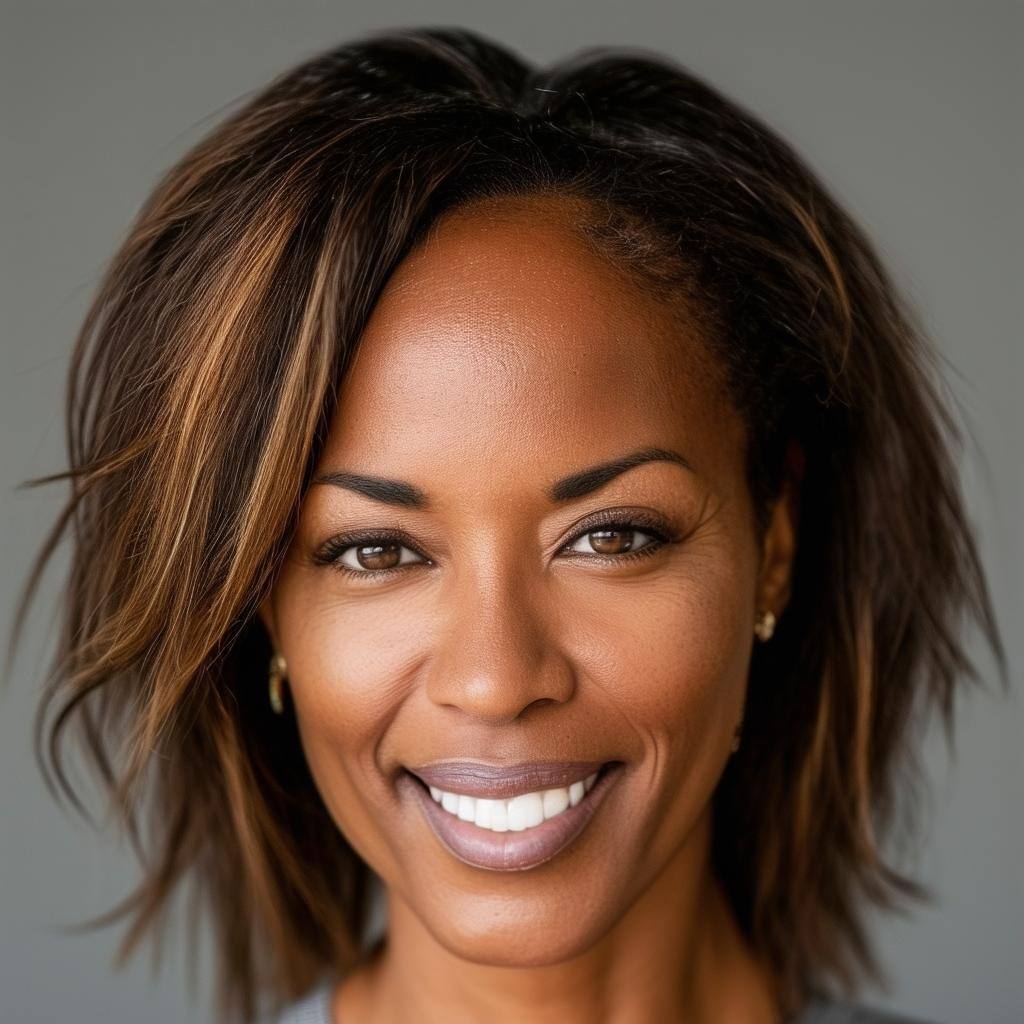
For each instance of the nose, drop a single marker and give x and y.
(498, 653)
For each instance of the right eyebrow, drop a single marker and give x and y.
(402, 494)
(388, 492)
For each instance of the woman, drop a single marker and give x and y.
(519, 494)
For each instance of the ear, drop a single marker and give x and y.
(779, 549)
(266, 614)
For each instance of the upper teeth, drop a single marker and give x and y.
(515, 814)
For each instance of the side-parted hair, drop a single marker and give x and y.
(205, 376)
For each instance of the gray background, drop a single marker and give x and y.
(909, 110)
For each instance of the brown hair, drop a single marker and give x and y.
(205, 375)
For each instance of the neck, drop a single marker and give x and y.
(676, 954)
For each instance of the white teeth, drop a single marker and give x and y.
(499, 814)
(484, 809)
(555, 801)
(516, 814)
(525, 811)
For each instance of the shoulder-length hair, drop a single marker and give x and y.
(206, 372)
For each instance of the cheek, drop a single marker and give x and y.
(346, 675)
(348, 667)
(674, 656)
(674, 661)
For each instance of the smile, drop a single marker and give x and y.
(510, 833)
(517, 814)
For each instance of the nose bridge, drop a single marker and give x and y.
(498, 652)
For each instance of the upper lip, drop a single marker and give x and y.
(479, 779)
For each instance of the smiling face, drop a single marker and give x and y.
(483, 617)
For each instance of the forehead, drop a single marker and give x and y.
(503, 339)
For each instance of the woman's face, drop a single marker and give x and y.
(609, 621)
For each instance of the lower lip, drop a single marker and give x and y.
(510, 851)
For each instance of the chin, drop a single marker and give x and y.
(506, 931)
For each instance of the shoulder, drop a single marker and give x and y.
(824, 1010)
(313, 1008)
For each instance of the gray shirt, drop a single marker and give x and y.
(315, 1009)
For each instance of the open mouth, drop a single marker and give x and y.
(516, 833)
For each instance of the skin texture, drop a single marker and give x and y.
(502, 355)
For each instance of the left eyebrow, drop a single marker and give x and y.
(581, 483)
(576, 485)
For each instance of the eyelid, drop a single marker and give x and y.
(621, 516)
(640, 519)
(328, 552)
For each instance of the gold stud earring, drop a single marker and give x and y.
(278, 668)
(765, 626)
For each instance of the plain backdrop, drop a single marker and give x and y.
(910, 111)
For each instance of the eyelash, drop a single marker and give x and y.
(331, 551)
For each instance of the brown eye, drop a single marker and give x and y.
(378, 556)
(368, 556)
(621, 540)
(611, 542)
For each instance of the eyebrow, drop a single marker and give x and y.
(569, 488)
